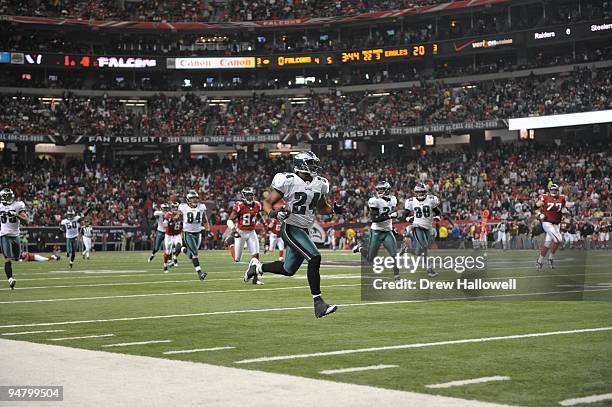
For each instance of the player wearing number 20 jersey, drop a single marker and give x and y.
(304, 194)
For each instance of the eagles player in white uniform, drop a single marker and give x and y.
(194, 220)
(304, 194)
(87, 237)
(383, 209)
(71, 225)
(12, 213)
(160, 232)
(422, 210)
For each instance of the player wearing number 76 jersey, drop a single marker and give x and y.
(304, 194)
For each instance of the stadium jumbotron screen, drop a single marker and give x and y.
(309, 203)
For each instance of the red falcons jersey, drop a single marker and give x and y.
(274, 226)
(552, 208)
(247, 215)
(174, 226)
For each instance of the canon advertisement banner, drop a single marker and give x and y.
(211, 63)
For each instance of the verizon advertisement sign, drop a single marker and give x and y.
(211, 63)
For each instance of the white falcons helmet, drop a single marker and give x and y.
(553, 190)
(307, 162)
(420, 191)
(382, 189)
(248, 194)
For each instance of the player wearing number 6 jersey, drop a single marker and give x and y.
(246, 211)
(304, 194)
(422, 210)
(552, 205)
(194, 220)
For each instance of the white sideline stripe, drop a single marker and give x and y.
(467, 381)
(175, 293)
(256, 310)
(586, 400)
(357, 369)
(419, 345)
(81, 337)
(113, 345)
(32, 332)
(238, 274)
(176, 352)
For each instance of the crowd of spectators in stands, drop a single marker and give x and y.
(506, 179)
(191, 115)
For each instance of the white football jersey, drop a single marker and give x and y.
(384, 205)
(72, 227)
(9, 224)
(88, 231)
(301, 196)
(160, 221)
(192, 217)
(422, 210)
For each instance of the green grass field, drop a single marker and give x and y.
(123, 295)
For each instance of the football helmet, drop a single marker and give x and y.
(307, 162)
(383, 188)
(174, 206)
(70, 214)
(248, 194)
(192, 198)
(7, 196)
(553, 190)
(420, 191)
(164, 207)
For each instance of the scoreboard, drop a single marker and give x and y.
(389, 54)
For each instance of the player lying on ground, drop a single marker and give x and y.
(383, 209)
(304, 193)
(26, 256)
(247, 212)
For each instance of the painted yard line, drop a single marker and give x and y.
(250, 311)
(114, 345)
(467, 381)
(420, 345)
(586, 400)
(82, 337)
(176, 352)
(357, 369)
(107, 297)
(31, 332)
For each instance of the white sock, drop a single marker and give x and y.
(315, 296)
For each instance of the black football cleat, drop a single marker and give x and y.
(539, 266)
(151, 257)
(551, 263)
(71, 264)
(12, 283)
(322, 309)
(250, 273)
(431, 273)
(202, 275)
(396, 277)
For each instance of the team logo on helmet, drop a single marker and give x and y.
(420, 190)
(383, 188)
(248, 194)
(7, 196)
(307, 162)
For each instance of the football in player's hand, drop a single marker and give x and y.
(541, 216)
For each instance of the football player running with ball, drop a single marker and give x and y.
(422, 210)
(304, 194)
(194, 220)
(552, 205)
(383, 209)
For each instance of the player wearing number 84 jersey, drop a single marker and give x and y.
(194, 218)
